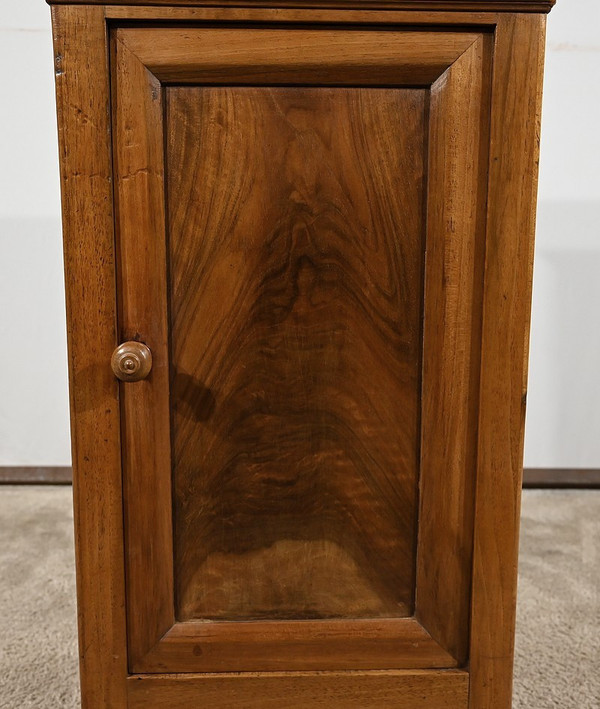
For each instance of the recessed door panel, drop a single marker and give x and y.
(295, 257)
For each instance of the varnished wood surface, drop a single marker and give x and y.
(435, 5)
(459, 116)
(296, 272)
(514, 146)
(276, 55)
(303, 16)
(174, 648)
(82, 97)
(299, 690)
(82, 89)
(389, 643)
(142, 296)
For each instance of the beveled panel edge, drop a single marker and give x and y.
(433, 5)
(457, 190)
(250, 60)
(290, 646)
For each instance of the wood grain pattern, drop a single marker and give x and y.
(453, 5)
(82, 97)
(215, 646)
(459, 116)
(340, 445)
(276, 55)
(142, 295)
(514, 145)
(304, 16)
(178, 650)
(298, 690)
(295, 264)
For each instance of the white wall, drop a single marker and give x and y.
(563, 422)
(563, 418)
(33, 380)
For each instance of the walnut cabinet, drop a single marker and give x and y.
(298, 247)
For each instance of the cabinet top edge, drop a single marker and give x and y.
(444, 5)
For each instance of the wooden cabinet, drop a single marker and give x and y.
(309, 227)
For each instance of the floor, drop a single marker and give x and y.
(558, 627)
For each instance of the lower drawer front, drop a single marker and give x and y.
(444, 689)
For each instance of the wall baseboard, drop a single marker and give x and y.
(545, 478)
(575, 478)
(30, 475)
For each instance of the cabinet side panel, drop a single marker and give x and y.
(516, 102)
(82, 92)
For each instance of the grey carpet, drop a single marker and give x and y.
(38, 653)
(557, 661)
(558, 627)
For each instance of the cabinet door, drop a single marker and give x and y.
(300, 244)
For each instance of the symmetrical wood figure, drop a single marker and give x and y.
(301, 233)
(295, 313)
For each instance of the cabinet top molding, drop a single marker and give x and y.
(458, 5)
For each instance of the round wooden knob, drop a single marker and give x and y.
(131, 361)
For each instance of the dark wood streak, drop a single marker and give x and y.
(296, 286)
